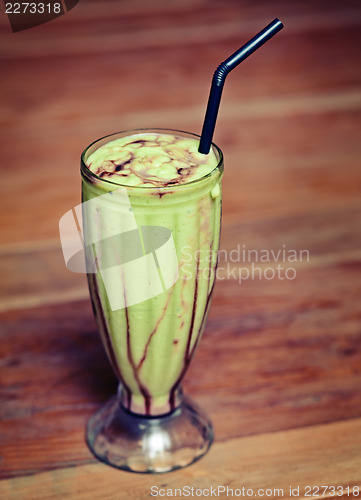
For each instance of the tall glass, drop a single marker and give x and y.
(151, 261)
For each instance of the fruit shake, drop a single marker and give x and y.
(166, 184)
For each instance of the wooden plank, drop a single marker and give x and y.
(170, 23)
(275, 71)
(34, 274)
(264, 176)
(314, 456)
(271, 113)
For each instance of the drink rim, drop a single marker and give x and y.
(86, 170)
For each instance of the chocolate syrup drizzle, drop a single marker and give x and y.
(98, 311)
(188, 354)
(154, 331)
(183, 173)
(143, 390)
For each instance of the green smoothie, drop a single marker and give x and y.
(168, 184)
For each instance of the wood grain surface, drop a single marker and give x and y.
(279, 366)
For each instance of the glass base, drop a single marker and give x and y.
(149, 444)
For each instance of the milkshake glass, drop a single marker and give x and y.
(151, 260)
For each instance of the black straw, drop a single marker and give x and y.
(220, 75)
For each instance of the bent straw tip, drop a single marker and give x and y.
(219, 77)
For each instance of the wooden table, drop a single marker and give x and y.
(279, 366)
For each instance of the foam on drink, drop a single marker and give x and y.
(151, 160)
